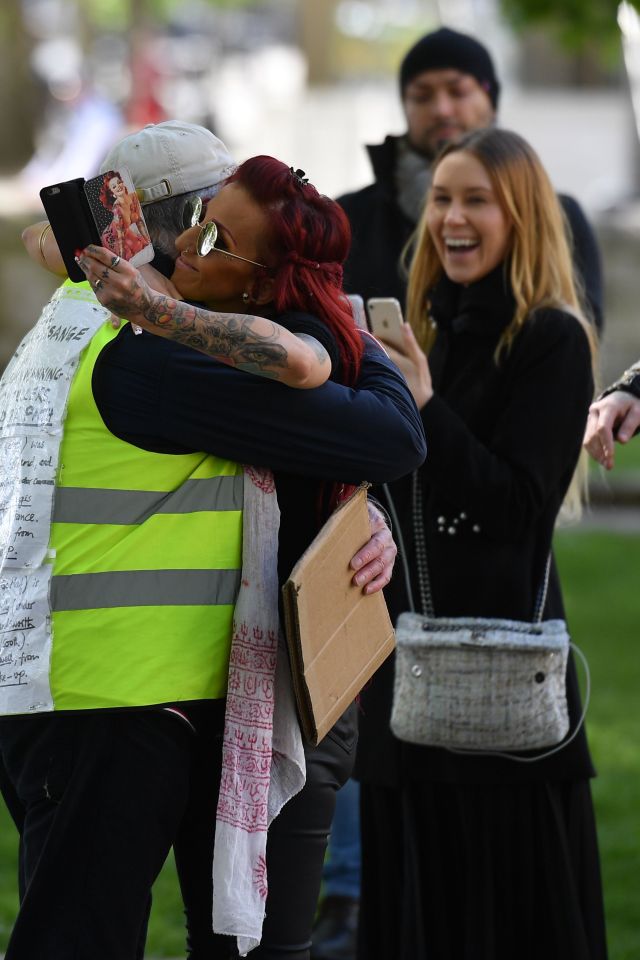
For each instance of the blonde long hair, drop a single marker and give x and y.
(540, 267)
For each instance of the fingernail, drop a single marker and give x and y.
(78, 253)
(360, 578)
(357, 563)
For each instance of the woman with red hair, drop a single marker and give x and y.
(264, 257)
(310, 240)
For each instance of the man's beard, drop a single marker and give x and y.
(431, 144)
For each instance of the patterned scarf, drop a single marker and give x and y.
(263, 763)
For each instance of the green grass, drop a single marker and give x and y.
(601, 579)
(600, 575)
(627, 457)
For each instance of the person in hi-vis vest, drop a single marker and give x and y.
(125, 534)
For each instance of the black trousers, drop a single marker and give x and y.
(296, 848)
(103, 794)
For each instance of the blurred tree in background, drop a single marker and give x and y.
(586, 28)
(17, 88)
(578, 24)
(21, 94)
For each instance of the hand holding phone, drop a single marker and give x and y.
(104, 211)
(386, 322)
(385, 317)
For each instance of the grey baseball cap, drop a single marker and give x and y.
(169, 158)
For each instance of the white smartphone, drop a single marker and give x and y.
(385, 320)
(358, 311)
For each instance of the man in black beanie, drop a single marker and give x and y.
(448, 86)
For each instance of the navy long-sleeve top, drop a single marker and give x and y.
(164, 397)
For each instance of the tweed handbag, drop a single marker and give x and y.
(479, 685)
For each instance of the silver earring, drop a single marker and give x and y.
(245, 297)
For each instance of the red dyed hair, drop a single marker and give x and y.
(309, 241)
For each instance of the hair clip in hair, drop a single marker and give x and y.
(299, 175)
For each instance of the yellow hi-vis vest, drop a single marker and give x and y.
(147, 555)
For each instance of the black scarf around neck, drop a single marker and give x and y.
(484, 308)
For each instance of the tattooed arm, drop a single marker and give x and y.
(253, 344)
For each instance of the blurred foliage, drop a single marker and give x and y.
(359, 57)
(579, 25)
(17, 94)
(120, 13)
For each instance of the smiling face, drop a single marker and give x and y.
(441, 106)
(471, 231)
(216, 280)
(117, 187)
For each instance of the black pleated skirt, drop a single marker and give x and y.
(480, 872)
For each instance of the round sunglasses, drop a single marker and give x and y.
(208, 235)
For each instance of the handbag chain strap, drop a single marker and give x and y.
(426, 600)
(420, 540)
(422, 565)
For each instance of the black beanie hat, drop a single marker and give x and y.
(447, 48)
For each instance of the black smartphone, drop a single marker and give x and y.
(72, 223)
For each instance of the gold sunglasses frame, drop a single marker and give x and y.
(206, 242)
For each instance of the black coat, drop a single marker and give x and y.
(502, 444)
(380, 231)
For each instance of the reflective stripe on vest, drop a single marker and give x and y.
(147, 564)
(78, 505)
(144, 588)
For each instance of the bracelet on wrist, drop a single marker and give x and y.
(43, 234)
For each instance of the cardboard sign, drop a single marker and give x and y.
(337, 637)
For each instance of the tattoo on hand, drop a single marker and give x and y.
(129, 303)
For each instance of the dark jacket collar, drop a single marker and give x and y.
(383, 161)
(484, 308)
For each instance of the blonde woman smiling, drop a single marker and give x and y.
(480, 857)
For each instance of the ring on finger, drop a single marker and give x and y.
(98, 284)
(115, 261)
